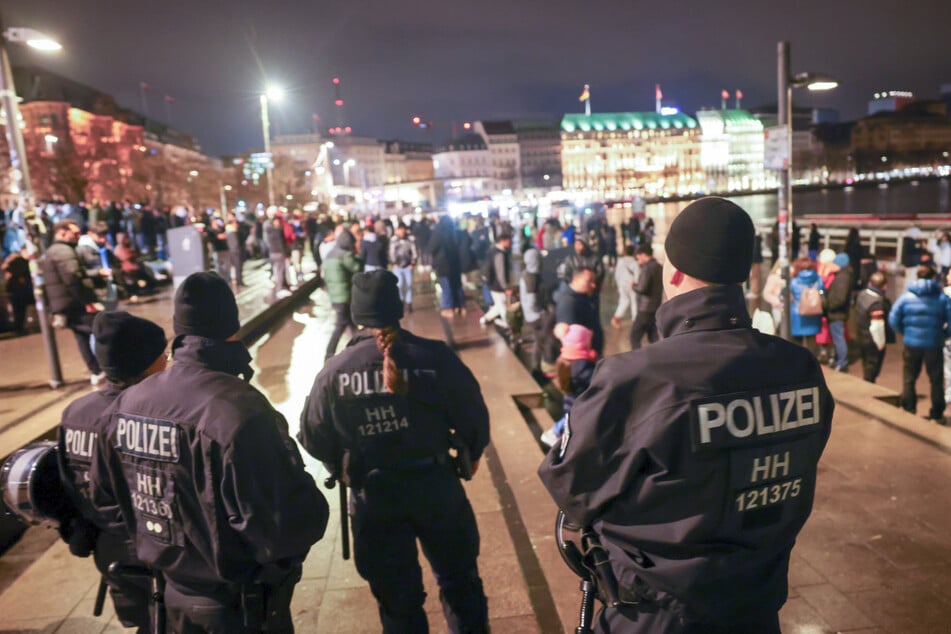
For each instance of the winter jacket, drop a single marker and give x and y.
(68, 289)
(442, 246)
(922, 315)
(500, 270)
(839, 296)
(799, 325)
(649, 287)
(373, 250)
(403, 252)
(340, 265)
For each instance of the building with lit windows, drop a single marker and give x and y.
(539, 147)
(501, 140)
(81, 145)
(889, 101)
(732, 151)
(464, 165)
(626, 154)
(918, 135)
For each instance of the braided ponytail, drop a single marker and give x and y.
(386, 339)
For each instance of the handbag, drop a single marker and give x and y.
(810, 302)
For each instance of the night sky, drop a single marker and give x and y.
(447, 60)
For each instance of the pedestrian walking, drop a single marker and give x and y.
(626, 274)
(447, 266)
(498, 276)
(201, 471)
(922, 315)
(19, 286)
(680, 458)
(381, 416)
(534, 306)
(649, 289)
(277, 249)
(340, 265)
(403, 256)
(814, 242)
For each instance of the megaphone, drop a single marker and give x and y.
(31, 487)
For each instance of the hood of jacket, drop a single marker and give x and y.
(533, 260)
(923, 288)
(345, 241)
(808, 277)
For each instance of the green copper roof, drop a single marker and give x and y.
(625, 121)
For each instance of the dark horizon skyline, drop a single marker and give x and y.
(448, 61)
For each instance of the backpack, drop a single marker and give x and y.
(810, 302)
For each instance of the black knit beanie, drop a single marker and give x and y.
(375, 299)
(712, 240)
(126, 345)
(205, 306)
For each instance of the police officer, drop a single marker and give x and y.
(382, 414)
(203, 473)
(128, 349)
(694, 459)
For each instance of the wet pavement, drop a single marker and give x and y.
(874, 557)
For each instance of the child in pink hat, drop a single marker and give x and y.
(573, 373)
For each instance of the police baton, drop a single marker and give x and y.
(100, 597)
(344, 514)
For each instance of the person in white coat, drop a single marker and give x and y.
(625, 275)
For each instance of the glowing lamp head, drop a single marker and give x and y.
(416, 120)
(823, 84)
(274, 93)
(336, 81)
(467, 126)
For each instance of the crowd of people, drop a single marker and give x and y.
(386, 408)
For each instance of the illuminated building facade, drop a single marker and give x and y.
(502, 142)
(464, 165)
(889, 101)
(81, 145)
(626, 154)
(732, 151)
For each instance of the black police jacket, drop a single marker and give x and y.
(202, 471)
(695, 459)
(79, 429)
(80, 426)
(350, 411)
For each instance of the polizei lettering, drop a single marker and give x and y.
(147, 438)
(750, 418)
(79, 443)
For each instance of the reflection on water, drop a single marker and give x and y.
(895, 200)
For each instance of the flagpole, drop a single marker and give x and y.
(739, 96)
(168, 110)
(658, 96)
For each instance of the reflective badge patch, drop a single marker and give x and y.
(565, 437)
(147, 438)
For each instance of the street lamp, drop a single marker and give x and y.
(271, 93)
(20, 177)
(785, 83)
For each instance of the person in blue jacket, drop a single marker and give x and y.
(922, 316)
(803, 328)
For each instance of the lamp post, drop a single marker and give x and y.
(785, 83)
(273, 93)
(20, 175)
